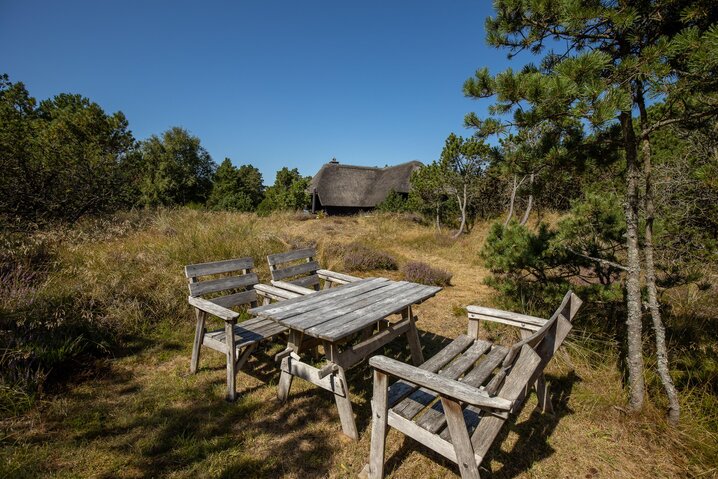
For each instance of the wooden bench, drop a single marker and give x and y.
(457, 402)
(299, 272)
(232, 284)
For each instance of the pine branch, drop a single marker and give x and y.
(602, 261)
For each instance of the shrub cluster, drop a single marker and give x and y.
(358, 257)
(419, 272)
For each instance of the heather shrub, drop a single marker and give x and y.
(358, 257)
(419, 272)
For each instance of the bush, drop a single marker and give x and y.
(358, 257)
(419, 272)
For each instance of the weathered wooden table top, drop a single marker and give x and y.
(333, 314)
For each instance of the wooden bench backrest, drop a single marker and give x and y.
(529, 356)
(239, 287)
(299, 264)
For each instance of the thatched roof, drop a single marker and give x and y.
(360, 186)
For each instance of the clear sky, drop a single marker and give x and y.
(270, 83)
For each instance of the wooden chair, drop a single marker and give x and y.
(216, 297)
(457, 402)
(299, 272)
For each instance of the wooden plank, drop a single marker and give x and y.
(334, 276)
(313, 303)
(417, 401)
(231, 362)
(218, 267)
(344, 407)
(221, 284)
(432, 441)
(198, 339)
(292, 287)
(509, 322)
(460, 439)
(379, 408)
(295, 270)
(369, 309)
(412, 337)
(444, 386)
(340, 307)
(355, 354)
(275, 293)
(213, 309)
(433, 420)
(308, 281)
(359, 319)
(277, 258)
(480, 373)
(515, 390)
(491, 314)
(291, 304)
(332, 382)
(294, 344)
(400, 389)
(232, 300)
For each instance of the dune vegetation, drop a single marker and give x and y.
(98, 334)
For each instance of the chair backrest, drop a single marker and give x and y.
(298, 267)
(530, 355)
(231, 284)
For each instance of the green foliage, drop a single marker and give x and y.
(289, 192)
(62, 159)
(176, 169)
(236, 189)
(394, 203)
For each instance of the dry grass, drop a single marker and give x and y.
(139, 414)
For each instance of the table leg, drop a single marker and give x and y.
(285, 379)
(412, 337)
(344, 404)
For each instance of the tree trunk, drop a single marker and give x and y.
(653, 305)
(525, 219)
(511, 203)
(636, 383)
(438, 218)
(462, 207)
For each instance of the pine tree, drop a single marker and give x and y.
(607, 59)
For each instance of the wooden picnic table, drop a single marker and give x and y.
(350, 321)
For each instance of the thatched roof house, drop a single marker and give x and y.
(347, 189)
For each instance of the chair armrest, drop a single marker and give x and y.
(213, 309)
(293, 287)
(273, 292)
(522, 321)
(335, 277)
(440, 384)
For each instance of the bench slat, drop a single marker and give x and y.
(277, 258)
(218, 267)
(400, 389)
(295, 270)
(232, 300)
(222, 284)
(421, 398)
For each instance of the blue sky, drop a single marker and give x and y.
(267, 83)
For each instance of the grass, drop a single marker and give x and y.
(124, 405)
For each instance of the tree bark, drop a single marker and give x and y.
(525, 219)
(650, 271)
(462, 207)
(636, 382)
(438, 218)
(511, 204)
